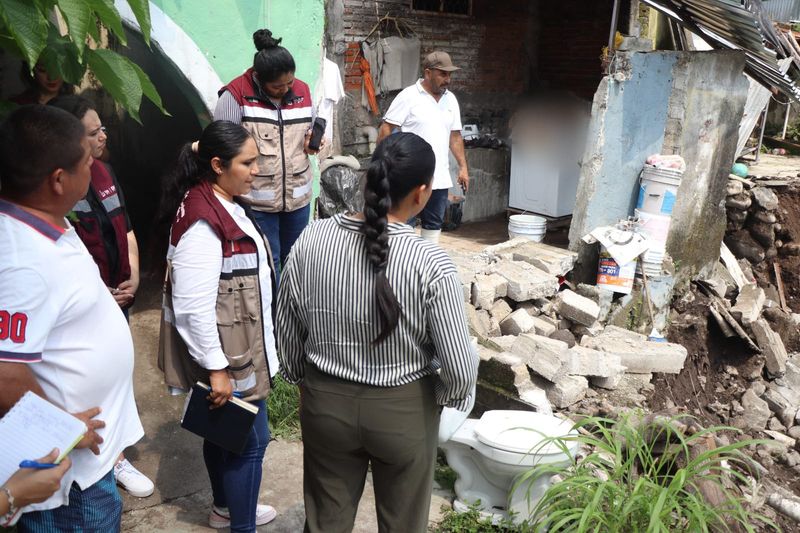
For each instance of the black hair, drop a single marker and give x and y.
(77, 105)
(29, 80)
(35, 140)
(222, 139)
(271, 60)
(401, 163)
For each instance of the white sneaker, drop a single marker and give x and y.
(130, 479)
(220, 517)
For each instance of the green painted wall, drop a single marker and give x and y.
(223, 30)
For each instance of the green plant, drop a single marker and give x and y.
(283, 406)
(471, 521)
(29, 30)
(645, 474)
(443, 474)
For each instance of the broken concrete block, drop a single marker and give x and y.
(500, 310)
(609, 383)
(530, 308)
(765, 198)
(749, 304)
(593, 331)
(486, 289)
(603, 297)
(526, 282)
(734, 188)
(755, 415)
(582, 361)
(576, 308)
(544, 356)
(504, 370)
(564, 392)
(564, 335)
(494, 327)
(517, 323)
(554, 261)
(543, 326)
(637, 354)
(545, 306)
(505, 342)
(772, 347)
(478, 324)
(536, 397)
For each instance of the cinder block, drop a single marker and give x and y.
(772, 347)
(500, 310)
(577, 308)
(749, 304)
(526, 282)
(486, 288)
(517, 323)
(543, 356)
(566, 391)
(636, 353)
(582, 361)
(543, 326)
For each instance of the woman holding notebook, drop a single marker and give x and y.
(371, 322)
(219, 300)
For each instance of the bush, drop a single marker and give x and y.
(283, 406)
(645, 474)
(470, 521)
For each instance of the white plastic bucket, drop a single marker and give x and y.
(656, 227)
(613, 277)
(658, 190)
(529, 226)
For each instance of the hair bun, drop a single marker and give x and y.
(263, 39)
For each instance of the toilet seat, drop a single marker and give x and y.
(521, 432)
(495, 428)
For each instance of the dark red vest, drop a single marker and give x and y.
(103, 205)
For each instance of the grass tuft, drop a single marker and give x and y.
(283, 406)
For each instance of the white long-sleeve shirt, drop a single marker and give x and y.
(196, 267)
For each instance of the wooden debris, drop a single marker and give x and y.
(790, 508)
(727, 331)
(779, 283)
(718, 304)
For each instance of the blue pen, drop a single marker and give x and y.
(34, 464)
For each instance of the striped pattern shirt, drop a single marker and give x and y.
(327, 314)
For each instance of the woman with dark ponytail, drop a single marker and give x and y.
(371, 325)
(277, 109)
(216, 322)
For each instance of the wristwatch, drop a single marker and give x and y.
(12, 509)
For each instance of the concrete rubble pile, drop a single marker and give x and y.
(769, 401)
(539, 343)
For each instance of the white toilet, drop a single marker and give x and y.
(488, 454)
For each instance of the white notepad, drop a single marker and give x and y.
(31, 429)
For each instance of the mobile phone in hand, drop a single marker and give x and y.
(317, 131)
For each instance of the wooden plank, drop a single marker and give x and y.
(716, 301)
(779, 282)
(747, 183)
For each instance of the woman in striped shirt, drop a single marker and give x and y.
(371, 323)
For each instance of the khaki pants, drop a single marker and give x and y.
(346, 427)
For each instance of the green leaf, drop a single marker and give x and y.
(61, 58)
(27, 26)
(141, 9)
(119, 78)
(149, 89)
(79, 17)
(109, 16)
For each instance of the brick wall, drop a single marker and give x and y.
(488, 46)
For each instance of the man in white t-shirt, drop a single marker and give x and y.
(61, 333)
(428, 109)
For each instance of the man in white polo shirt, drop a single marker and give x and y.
(61, 333)
(428, 109)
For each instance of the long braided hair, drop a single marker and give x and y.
(401, 163)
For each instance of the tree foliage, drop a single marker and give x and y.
(28, 30)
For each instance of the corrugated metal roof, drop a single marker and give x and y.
(736, 25)
(782, 10)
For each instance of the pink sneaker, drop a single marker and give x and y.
(221, 518)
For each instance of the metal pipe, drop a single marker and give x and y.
(614, 21)
(786, 119)
(761, 135)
